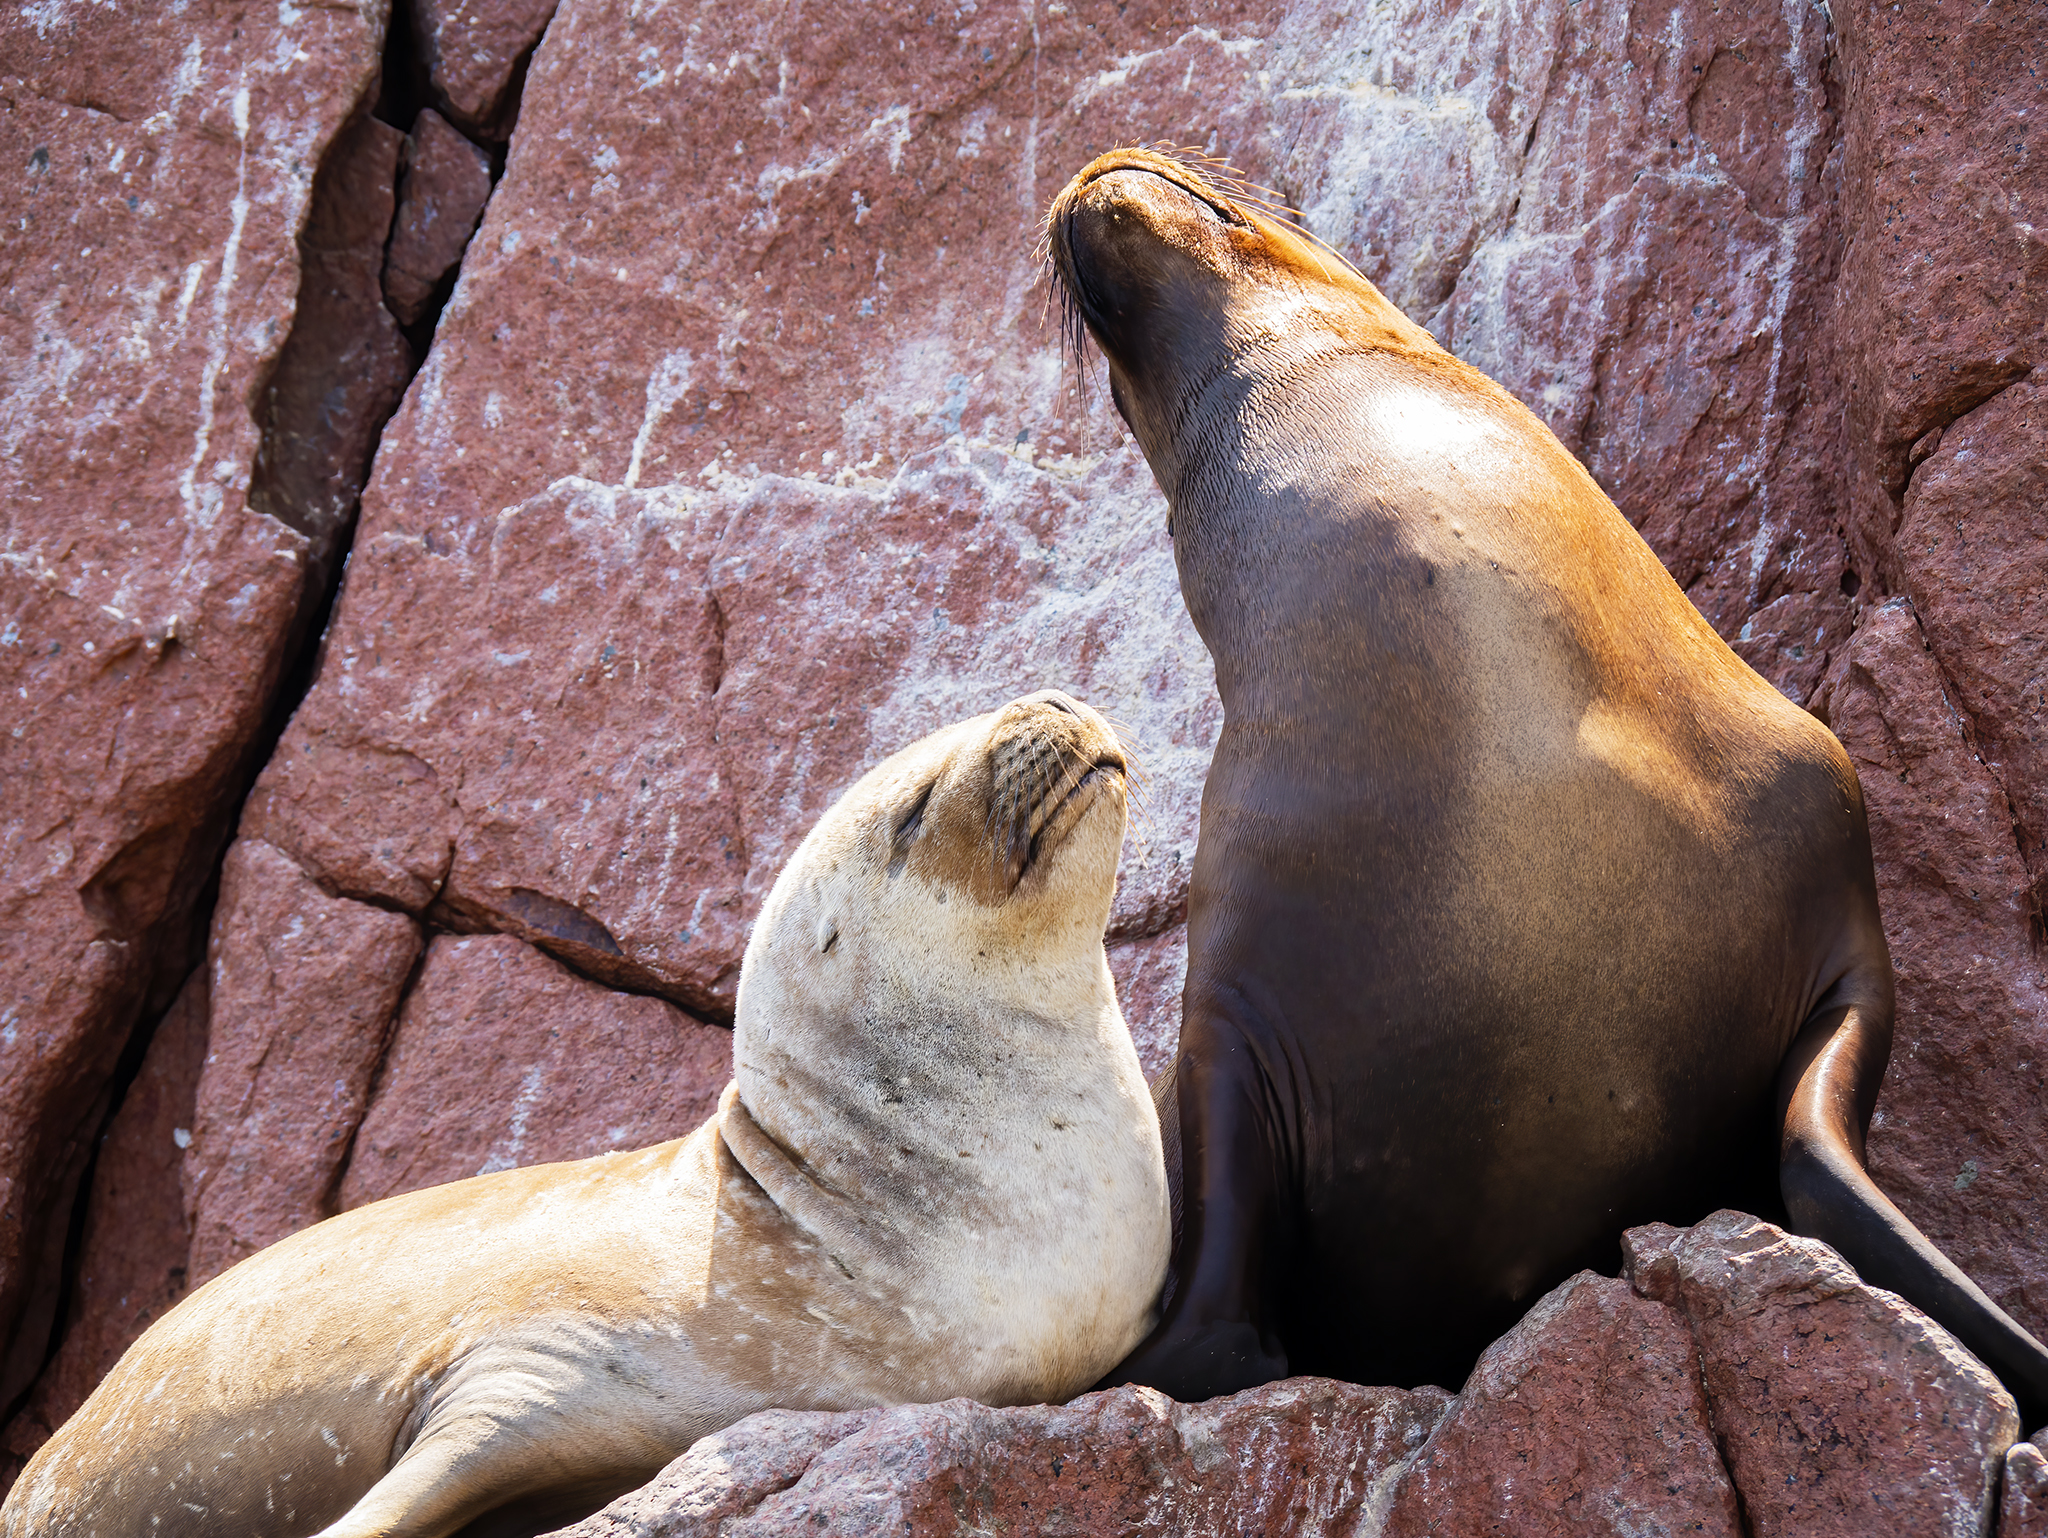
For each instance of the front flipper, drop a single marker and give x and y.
(472, 1476)
(1827, 1087)
(525, 1432)
(1213, 1336)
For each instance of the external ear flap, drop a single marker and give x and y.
(828, 934)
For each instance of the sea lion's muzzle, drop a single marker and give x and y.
(993, 817)
(1049, 762)
(1134, 241)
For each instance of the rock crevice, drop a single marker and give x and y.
(335, 367)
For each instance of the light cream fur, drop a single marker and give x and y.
(937, 1173)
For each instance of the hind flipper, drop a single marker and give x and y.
(442, 1481)
(1827, 1087)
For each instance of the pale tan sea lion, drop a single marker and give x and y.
(1523, 910)
(937, 1172)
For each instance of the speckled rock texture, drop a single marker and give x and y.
(159, 166)
(133, 1252)
(2023, 1510)
(502, 1057)
(1588, 1417)
(1941, 312)
(746, 449)
(297, 1026)
(1839, 1407)
(474, 51)
(446, 182)
(345, 363)
(1306, 1456)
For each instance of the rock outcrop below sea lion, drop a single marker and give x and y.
(1612, 1408)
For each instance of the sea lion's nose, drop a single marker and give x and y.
(1123, 193)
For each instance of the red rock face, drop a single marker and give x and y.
(1941, 307)
(132, 1265)
(162, 162)
(502, 1058)
(296, 1029)
(745, 453)
(1634, 229)
(1955, 1137)
(1944, 276)
(1306, 1456)
(1150, 974)
(716, 667)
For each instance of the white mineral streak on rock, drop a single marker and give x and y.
(203, 506)
(1806, 127)
(665, 386)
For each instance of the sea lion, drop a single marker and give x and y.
(937, 1172)
(1522, 909)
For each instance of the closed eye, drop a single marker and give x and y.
(907, 829)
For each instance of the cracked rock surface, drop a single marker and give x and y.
(745, 450)
(159, 167)
(1305, 1456)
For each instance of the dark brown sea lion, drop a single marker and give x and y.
(937, 1172)
(1522, 909)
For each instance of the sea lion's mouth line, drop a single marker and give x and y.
(1092, 776)
(1089, 310)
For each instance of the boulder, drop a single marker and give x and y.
(475, 52)
(1304, 1456)
(447, 182)
(1839, 1407)
(1588, 1417)
(1740, 1381)
(2023, 1508)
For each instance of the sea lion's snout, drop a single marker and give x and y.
(1024, 803)
(1133, 237)
(1051, 761)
